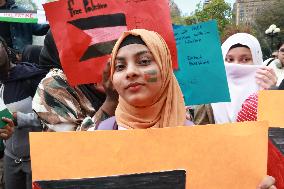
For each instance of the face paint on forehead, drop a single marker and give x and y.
(151, 76)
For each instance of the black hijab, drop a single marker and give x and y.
(31, 54)
(49, 56)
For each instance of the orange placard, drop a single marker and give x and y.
(271, 107)
(221, 156)
(85, 31)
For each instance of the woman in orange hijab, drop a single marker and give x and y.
(149, 94)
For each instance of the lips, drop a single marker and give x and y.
(134, 86)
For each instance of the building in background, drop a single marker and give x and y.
(245, 11)
(206, 2)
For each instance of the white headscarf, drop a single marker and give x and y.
(241, 78)
(244, 39)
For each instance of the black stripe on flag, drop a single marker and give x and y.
(101, 21)
(98, 50)
(167, 180)
(95, 22)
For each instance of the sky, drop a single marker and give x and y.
(188, 6)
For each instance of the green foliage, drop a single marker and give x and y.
(273, 14)
(231, 29)
(216, 9)
(175, 13)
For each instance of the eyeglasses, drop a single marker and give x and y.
(281, 50)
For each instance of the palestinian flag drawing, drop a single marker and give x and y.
(175, 179)
(104, 31)
(4, 112)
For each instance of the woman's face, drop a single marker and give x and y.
(239, 55)
(137, 77)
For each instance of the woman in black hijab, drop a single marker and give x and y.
(63, 107)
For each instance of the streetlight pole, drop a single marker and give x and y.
(272, 31)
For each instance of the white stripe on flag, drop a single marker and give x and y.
(18, 15)
(100, 35)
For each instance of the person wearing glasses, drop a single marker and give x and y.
(278, 64)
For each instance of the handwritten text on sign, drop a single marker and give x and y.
(201, 73)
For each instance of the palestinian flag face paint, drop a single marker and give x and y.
(4, 112)
(104, 30)
(150, 76)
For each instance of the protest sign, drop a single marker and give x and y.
(85, 31)
(271, 107)
(23, 16)
(201, 74)
(211, 155)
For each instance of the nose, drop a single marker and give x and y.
(132, 70)
(237, 62)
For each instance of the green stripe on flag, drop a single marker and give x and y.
(7, 114)
(20, 20)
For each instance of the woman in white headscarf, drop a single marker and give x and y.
(243, 59)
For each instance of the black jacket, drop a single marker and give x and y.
(17, 92)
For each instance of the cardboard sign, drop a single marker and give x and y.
(214, 156)
(85, 31)
(271, 107)
(201, 74)
(4, 112)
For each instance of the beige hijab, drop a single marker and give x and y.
(168, 109)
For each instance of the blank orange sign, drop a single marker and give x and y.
(217, 157)
(271, 107)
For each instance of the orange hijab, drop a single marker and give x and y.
(169, 108)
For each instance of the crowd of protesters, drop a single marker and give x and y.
(35, 89)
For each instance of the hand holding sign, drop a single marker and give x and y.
(6, 122)
(7, 130)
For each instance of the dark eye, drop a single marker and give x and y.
(144, 61)
(229, 60)
(246, 60)
(119, 66)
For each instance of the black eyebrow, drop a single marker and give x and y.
(142, 52)
(137, 54)
(119, 58)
